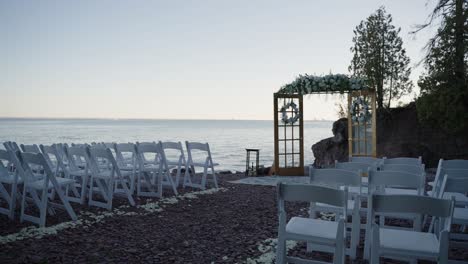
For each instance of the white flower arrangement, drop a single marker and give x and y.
(359, 110)
(308, 84)
(284, 116)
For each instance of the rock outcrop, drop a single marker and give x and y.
(399, 134)
(334, 148)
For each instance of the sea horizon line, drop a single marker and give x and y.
(144, 119)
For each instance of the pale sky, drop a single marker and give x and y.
(179, 59)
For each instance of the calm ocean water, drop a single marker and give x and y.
(228, 138)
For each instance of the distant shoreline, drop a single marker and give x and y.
(141, 119)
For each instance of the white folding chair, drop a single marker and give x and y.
(39, 188)
(403, 161)
(460, 213)
(10, 171)
(107, 178)
(203, 160)
(404, 244)
(77, 170)
(337, 178)
(174, 158)
(395, 183)
(149, 177)
(125, 155)
(329, 235)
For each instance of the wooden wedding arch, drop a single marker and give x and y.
(289, 123)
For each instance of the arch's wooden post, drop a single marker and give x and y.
(359, 142)
(289, 138)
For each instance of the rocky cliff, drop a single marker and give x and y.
(399, 134)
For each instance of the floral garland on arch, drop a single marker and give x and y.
(284, 115)
(359, 110)
(308, 84)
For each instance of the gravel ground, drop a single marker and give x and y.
(224, 227)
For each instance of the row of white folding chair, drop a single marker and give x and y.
(387, 182)
(178, 161)
(41, 190)
(380, 241)
(364, 168)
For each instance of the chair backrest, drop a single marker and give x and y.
(172, 149)
(335, 177)
(369, 160)
(53, 158)
(125, 153)
(311, 193)
(453, 164)
(403, 160)
(11, 145)
(414, 169)
(454, 185)
(200, 148)
(145, 149)
(29, 160)
(30, 148)
(354, 166)
(414, 204)
(77, 157)
(396, 179)
(97, 154)
(61, 151)
(440, 174)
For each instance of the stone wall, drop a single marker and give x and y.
(399, 134)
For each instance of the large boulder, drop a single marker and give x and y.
(399, 134)
(334, 148)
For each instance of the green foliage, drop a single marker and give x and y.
(380, 58)
(330, 83)
(444, 89)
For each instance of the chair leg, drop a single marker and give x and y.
(281, 251)
(14, 188)
(215, 180)
(355, 230)
(339, 256)
(65, 202)
(23, 203)
(43, 208)
(375, 245)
